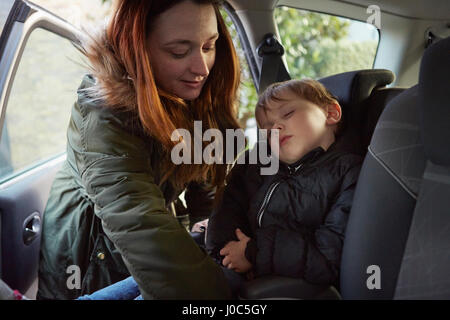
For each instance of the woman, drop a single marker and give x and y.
(159, 66)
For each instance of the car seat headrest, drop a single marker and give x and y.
(434, 99)
(351, 88)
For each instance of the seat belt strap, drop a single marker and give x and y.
(272, 68)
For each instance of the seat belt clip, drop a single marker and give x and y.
(270, 45)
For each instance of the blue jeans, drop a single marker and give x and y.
(128, 289)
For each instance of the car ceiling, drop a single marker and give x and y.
(419, 9)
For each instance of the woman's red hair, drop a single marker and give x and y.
(159, 112)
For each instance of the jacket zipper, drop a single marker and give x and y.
(267, 197)
(270, 192)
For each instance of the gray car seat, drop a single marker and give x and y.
(397, 242)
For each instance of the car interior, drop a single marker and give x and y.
(396, 117)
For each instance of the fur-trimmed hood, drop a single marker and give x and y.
(113, 84)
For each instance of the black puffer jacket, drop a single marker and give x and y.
(296, 218)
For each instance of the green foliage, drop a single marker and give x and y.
(316, 44)
(301, 33)
(344, 56)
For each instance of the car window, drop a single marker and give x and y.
(319, 45)
(38, 109)
(247, 91)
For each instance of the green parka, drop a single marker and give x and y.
(107, 218)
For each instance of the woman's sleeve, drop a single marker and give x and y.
(314, 256)
(199, 200)
(160, 255)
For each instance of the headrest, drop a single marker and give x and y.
(434, 98)
(353, 87)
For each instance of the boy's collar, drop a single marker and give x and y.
(309, 157)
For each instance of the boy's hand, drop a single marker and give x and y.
(234, 252)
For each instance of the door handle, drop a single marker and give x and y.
(31, 228)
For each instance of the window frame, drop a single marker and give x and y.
(25, 17)
(245, 43)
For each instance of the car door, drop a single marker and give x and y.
(40, 71)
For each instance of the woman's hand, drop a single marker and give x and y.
(200, 226)
(234, 252)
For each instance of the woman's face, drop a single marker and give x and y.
(182, 48)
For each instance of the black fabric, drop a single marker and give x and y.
(300, 233)
(283, 287)
(352, 89)
(424, 273)
(384, 201)
(397, 141)
(407, 240)
(272, 66)
(199, 201)
(375, 105)
(434, 85)
(376, 233)
(424, 269)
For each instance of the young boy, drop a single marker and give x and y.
(291, 223)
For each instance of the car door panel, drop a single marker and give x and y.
(21, 206)
(24, 190)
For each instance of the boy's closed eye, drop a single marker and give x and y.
(290, 113)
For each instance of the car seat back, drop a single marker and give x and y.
(397, 242)
(361, 94)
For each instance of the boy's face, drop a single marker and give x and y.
(303, 125)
